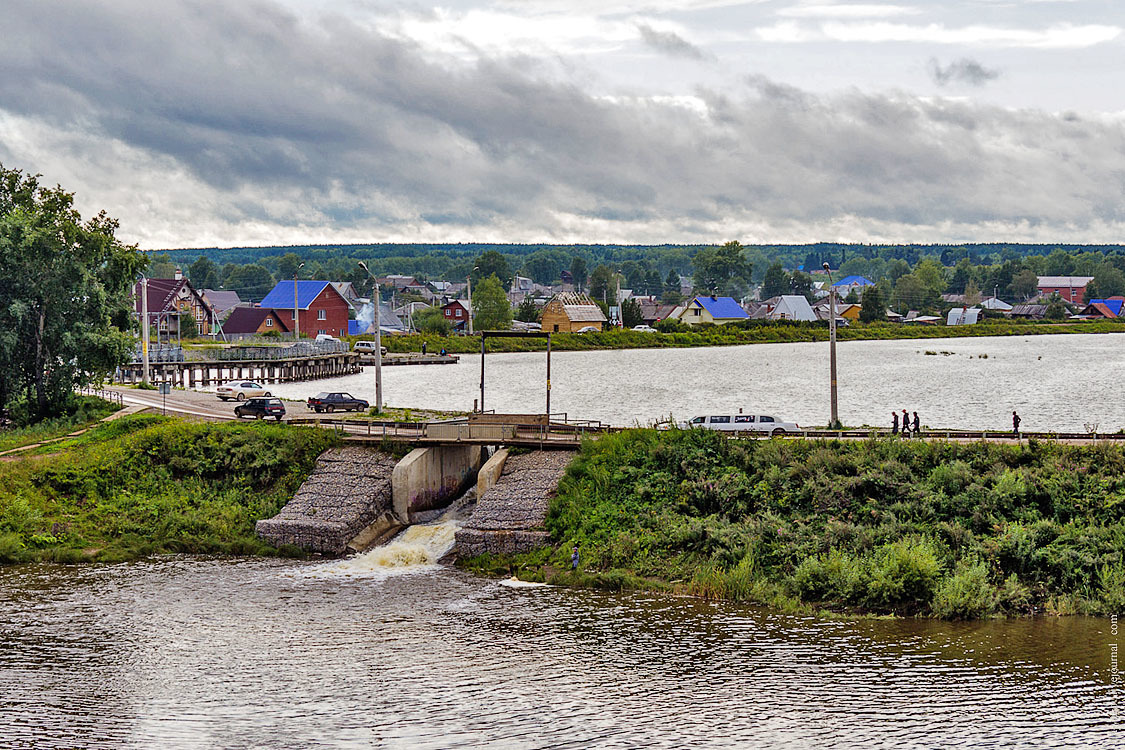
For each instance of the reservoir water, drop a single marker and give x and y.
(398, 652)
(1056, 382)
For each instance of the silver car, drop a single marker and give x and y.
(240, 390)
(742, 423)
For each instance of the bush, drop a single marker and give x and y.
(904, 575)
(966, 594)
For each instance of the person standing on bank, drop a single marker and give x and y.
(574, 558)
(917, 425)
(423, 348)
(894, 422)
(1016, 423)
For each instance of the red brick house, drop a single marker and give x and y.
(251, 321)
(320, 307)
(1070, 288)
(457, 314)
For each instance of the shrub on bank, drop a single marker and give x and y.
(144, 484)
(908, 527)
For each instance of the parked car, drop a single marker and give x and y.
(742, 423)
(240, 390)
(644, 328)
(331, 402)
(326, 337)
(261, 407)
(368, 347)
(589, 329)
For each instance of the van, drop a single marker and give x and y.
(742, 423)
(368, 347)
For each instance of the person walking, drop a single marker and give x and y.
(905, 424)
(894, 422)
(917, 425)
(1016, 424)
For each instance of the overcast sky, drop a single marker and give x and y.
(256, 122)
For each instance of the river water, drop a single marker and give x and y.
(394, 651)
(1056, 383)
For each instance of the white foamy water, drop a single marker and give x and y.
(416, 550)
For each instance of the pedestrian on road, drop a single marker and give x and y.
(574, 558)
(905, 424)
(917, 425)
(423, 348)
(894, 422)
(1016, 423)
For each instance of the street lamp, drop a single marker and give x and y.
(296, 312)
(835, 420)
(144, 329)
(378, 340)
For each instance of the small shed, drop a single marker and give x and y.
(569, 312)
(960, 316)
(792, 307)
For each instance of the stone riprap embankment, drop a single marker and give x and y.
(509, 516)
(348, 493)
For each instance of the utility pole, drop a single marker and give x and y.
(296, 310)
(378, 340)
(144, 328)
(469, 294)
(835, 417)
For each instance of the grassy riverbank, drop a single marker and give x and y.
(84, 411)
(881, 526)
(145, 485)
(750, 332)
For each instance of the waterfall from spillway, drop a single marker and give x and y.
(415, 550)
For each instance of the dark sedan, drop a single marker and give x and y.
(331, 402)
(260, 408)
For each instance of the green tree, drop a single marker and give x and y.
(601, 281)
(653, 283)
(1056, 308)
(872, 309)
(493, 263)
(801, 283)
(1024, 284)
(527, 311)
(432, 320)
(66, 303)
(491, 311)
(578, 272)
(203, 273)
(775, 283)
(672, 283)
(721, 270)
(252, 282)
(160, 266)
(288, 265)
(631, 314)
(189, 329)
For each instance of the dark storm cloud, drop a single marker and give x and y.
(965, 70)
(295, 123)
(669, 43)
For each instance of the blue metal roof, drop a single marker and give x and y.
(1113, 304)
(358, 327)
(722, 307)
(281, 296)
(854, 281)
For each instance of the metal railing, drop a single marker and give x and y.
(459, 430)
(301, 349)
(111, 396)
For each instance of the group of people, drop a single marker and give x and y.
(907, 426)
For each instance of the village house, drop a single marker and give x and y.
(321, 309)
(1109, 308)
(457, 313)
(570, 312)
(1070, 288)
(792, 307)
(222, 301)
(846, 310)
(171, 300)
(848, 284)
(960, 316)
(244, 322)
(709, 309)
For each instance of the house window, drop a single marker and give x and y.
(321, 315)
(457, 312)
(322, 331)
(269, 322)
(695, 311)
(293, 315)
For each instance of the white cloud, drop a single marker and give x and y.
(1060, 36)
(858, 10)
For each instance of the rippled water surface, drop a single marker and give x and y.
(1057, 383)
(182, 652)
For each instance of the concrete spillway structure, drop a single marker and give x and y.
(358, 496)
(514, 493)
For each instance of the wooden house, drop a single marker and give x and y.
(570, 312)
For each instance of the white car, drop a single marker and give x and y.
(644, 329)
(742, 423)
(240, 390)
(589, 329)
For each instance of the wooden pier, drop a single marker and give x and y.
(205, 373)
(391, 360)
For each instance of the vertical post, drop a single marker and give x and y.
(378, 352)
(548, 378)
(835, 416)
(144, 328)
(469, 288)
(296, 312)
(481, 371)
